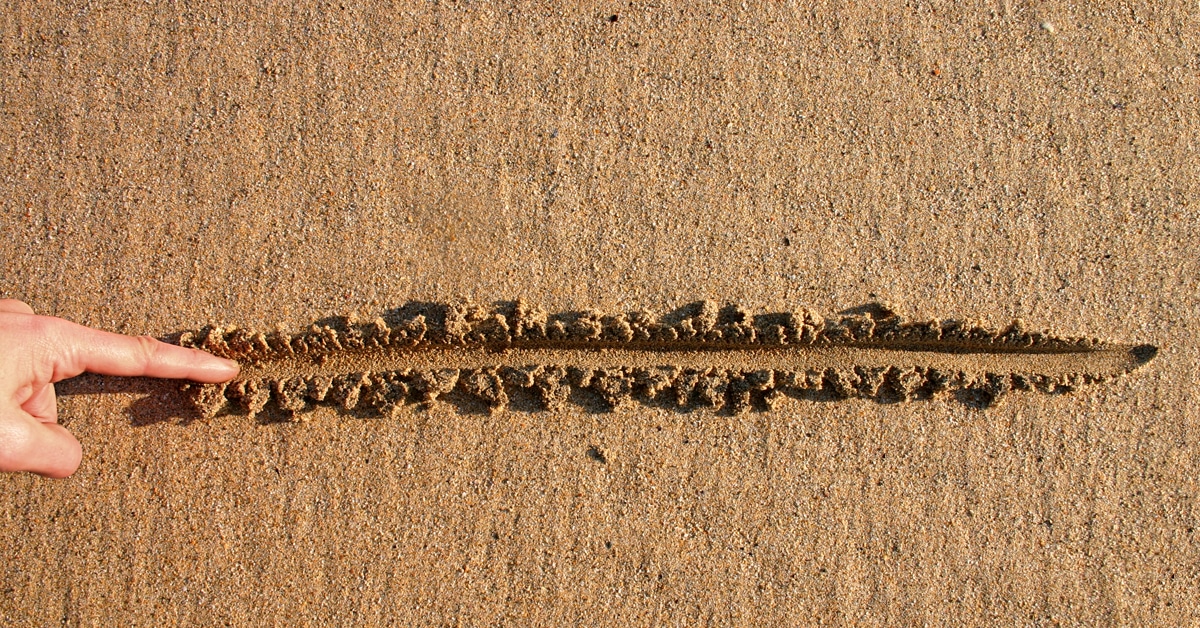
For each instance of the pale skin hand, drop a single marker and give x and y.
(37, 351)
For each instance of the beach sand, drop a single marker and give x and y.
(169, 167)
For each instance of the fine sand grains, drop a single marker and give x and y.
(699, 355)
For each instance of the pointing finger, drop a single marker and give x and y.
(85, 349)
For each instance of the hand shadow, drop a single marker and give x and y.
(160, 399)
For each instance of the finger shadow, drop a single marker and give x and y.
(158, 400)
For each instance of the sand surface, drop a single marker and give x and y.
(167, 167)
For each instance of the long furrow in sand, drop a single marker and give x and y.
(697, 356)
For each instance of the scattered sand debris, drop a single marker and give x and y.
(701, 355)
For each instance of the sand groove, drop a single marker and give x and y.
(700, 355)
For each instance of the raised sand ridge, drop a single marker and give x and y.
(700, 355)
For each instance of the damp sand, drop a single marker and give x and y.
(170, 167)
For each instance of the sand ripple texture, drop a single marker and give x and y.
(701, 355)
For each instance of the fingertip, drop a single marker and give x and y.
(66, 453)
(212, 369)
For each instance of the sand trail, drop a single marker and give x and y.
(700, 355)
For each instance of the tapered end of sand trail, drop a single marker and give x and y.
(1141, 354)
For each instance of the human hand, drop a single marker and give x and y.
(37, 351)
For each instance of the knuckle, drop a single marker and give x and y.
(148, 348)
(43, 334)
(38, 326)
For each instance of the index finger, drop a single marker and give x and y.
(84, 349)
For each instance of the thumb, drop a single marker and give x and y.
(27, 444)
